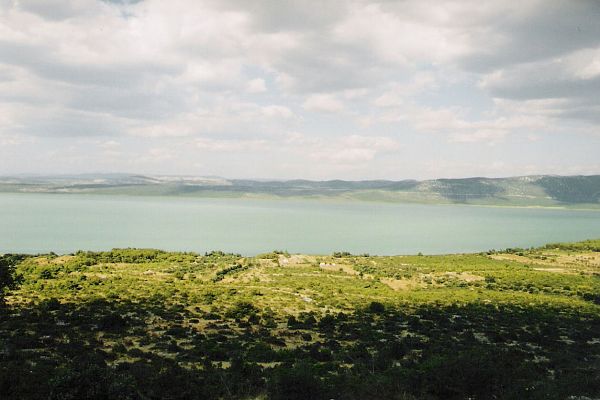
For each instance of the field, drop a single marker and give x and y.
(148, 324)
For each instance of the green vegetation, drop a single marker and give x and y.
(149, 324)
(578, 189)
(586, 245)
(8, 277)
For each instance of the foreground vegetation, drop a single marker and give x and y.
(148, 324)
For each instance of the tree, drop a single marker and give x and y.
(9, 279)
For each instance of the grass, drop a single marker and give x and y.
(130, 323)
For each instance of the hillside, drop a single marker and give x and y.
(544, 191)
(149, 324)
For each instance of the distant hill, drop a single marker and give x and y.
(542, 190)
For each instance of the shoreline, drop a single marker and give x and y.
(328, 199)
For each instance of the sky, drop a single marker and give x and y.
(282, 89)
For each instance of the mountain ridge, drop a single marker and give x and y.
(531, 190)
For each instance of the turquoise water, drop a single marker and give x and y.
(65, 223)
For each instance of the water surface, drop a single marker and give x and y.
(65, 223)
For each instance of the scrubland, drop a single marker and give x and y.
(149, 324)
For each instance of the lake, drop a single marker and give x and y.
(64, 223)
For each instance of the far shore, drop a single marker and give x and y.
(341, 198)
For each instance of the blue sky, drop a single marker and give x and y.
(299, 89)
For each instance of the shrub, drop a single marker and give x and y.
(242, 309)
(376, 307)
(91, 378)
(9, 279)
(112, 323)
(300, 382)
(340, 254)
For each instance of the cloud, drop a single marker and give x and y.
(277, 111)
(574, 80)
(576, 75)
(323, 102)
(231, 145)
(348, 150)
(417, 36)
(397, 93)
(54, 10)
(238, 78)
(256, 85)
(109, 144)
(531, 31)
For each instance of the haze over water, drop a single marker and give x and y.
(66, 223)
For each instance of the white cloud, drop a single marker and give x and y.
(219, 145)
(347, 150)
(404, 36)
(237, 77)
(256, 85)
(109, 144)
(398, 93)
(277, 111)
(323, 102)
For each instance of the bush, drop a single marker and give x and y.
(91, 378)
(242, 309)
(50, 304)
(299, 382)
(112, 323)
(340, 254)
(376, 307)
(9, 279)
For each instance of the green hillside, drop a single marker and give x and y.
(149, 324)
